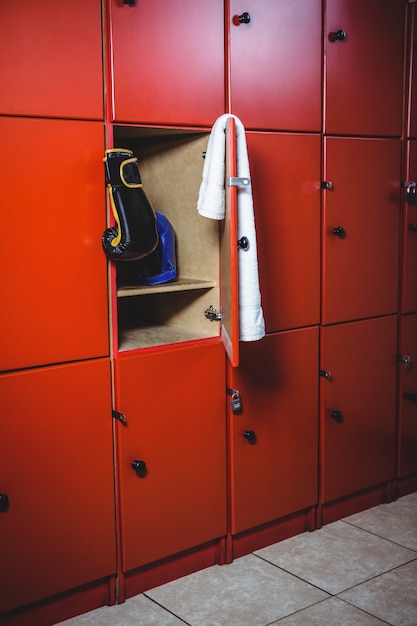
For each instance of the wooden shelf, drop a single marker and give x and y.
(147, 336)
(181, 284)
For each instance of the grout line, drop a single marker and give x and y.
(400, 545)
(167, 610)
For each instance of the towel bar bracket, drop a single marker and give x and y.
(238, 181)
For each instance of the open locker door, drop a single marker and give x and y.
(229, 289)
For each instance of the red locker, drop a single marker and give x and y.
(57, 526)
(285, 171)
(412, 67)
(53, 219)
(360, 228)
(274, 439)
(172, 450)
(275, 63)
(407, 454)
(409, 264)
(51, 59)
(364, 56)
(167, 61)
(358, 420)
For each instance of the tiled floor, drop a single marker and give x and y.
(360, 571)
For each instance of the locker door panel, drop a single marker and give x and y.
(174, 403)
(274, 470)
(167, 61)
(54, 217)
(358, 406)
(285, 172)
(361, 228)
(56, 458)
(409, 283)
(408, 397)
(364, 70)
(276, 64)
(51, 59)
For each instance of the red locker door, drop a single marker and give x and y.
(167, 61)
(56, 456)
(51, 58)
(54, 271)
(358, 406)
(275, 61)
(274, 440)
(409, 268)
(285, 171)
(174, 403)
(407, 458)
(412, 122)
(364, 51)
(361, 228)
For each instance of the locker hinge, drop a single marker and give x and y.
(236, 402)
(213, 315)
(407, 360)
(239, 181)
(119, 417)
(325, 374)
(326, 184)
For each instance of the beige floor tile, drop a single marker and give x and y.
(396, 521)
(337, 556)
(332, 612)
(134, 612)
(248, 592)
(392, 596)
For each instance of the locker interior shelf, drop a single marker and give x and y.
(156, 335)
(181, 284)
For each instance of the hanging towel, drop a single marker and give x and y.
(211, 204)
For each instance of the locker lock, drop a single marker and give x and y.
(130, 3)
(139, 467)
(250, 436)
(4, 502)
(337, 416)
(339, 231)
(339, 35)
(407, 361)
(245, 18)
(236, 401)
(412, 397)
(411, 191)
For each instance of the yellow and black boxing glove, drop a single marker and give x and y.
(135, 233)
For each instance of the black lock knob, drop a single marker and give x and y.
(250, 436)
(131, 3)
(339, 231)
(245, 18)
(337, 416)
(412, 397)
(412, 228)
(339, 35)
(4, 502)
(243, 243)
(139, 467)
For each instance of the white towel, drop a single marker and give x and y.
(211, 203)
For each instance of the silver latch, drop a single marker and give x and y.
(239, 181)
(212, 314)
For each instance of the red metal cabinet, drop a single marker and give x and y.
(274, 440)
(56, 458)
(409, 265)
(55, 277)
(51, 58)
(285, 172)
(407, 453)
(361, 228)
(275, 64)
(167, 61)
(358, 406)
(174, 404)
(364, 52)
